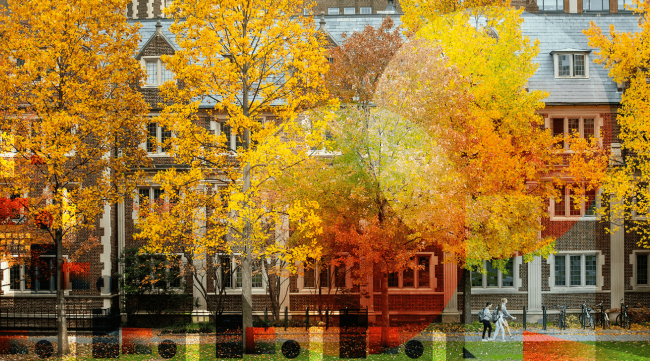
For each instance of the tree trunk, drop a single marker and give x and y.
(385, 316)
(247, 273)
(467, 297)
(62, 334)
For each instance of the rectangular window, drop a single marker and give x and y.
(550, 5)
(560, 270)
(324, 276)
(589, 129)
(558, 129)
(310, 275)
(507, 279)
(641, 269)
(564, 64)
(477, 279)
(408, 278)
(575, 206)
(349, 11)
(595, 5)
(238, 277)
(165, 73)
(576, 270)
(152, 129)
(225, 130)
(165, 135)
(159, 271)
(560, 203)
(143, 195)
(626, 5)
(226, 271)
(591, 203)
(175, 272)
(332, 11)
(579, 64)
(393, 279)
(590, 270)
(366, 10)
(158, 195)
(256, 279)
(45, 274)
(423, 272)
(339, 276)
(14, 277)
(492, 275)
(152, 72)
(574, 127)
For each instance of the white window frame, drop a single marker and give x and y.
(567, 210)
(331, 278)
(567, 288)
(6, 277)
(332, 11)
(556, 62)
(516, 280)
(598, 123)
(158, 152)
(587, 8)
(233, 289)
(365, 10)
(181, 288)
(159, 67)
(633, 279)
(349, 10)
(433, 281)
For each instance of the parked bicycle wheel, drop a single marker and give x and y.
(581, 318)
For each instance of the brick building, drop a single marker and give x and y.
(590, 265)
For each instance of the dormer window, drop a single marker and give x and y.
(571, 64)
(595, 5)
(157, 74)
(550, 5)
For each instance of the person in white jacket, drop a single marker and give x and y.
(499, 324)
(506, 315)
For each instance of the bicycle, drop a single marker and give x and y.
(623, 318)
(561, 320)
(586, 318)
(603, 320)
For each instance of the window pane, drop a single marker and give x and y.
(152, 69)
(560, 270)
(560, 204)
(366, 10)
(349, 11)
(225, 130)
(492, 275)
(574, 126)
(575, 207)
(591, 203)
(238, 282)
(558, 129)
(564, 64)
(641, 269)
(560, 4)
(408, 277)
(324, 276)
(332, 11)
(423, 274)
(14, 277)
(175, 272)
(393, 279)
(588, 128)
(606, 5)
(239, 140)
(166, 74)
(143, 194)
(153, 136)
(477, 279)
(158, 195)
(159, 271)
(309, 277)
(164, 136)
(590, 270)
(257, 275)
(507, 279)
(339, 272)
(576, 271)
(578, 65)
(226, 271)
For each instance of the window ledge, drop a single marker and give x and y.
(488, 291)
(158, 155)
(575, 289)
(574, 218)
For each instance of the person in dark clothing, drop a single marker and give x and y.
(486, 318)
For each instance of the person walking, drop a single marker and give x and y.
(498, 319)
(506, 315)
(484, 316)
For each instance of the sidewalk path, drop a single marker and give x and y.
(559, 336)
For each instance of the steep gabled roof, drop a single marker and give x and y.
(158, 35)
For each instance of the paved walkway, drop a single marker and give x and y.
(559, 336)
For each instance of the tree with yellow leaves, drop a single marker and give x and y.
(256, 65)
(626, 57)
(71, 117)
(490, 133)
